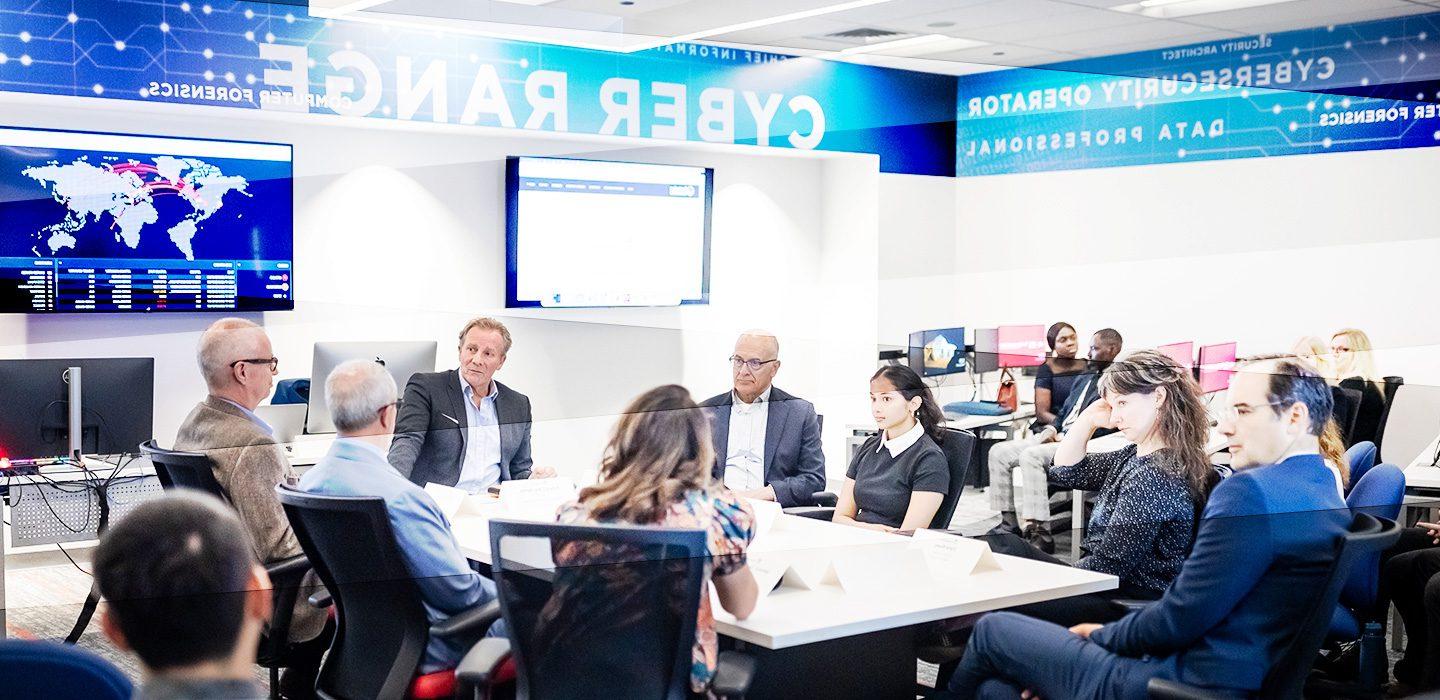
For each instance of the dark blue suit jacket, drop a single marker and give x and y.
(1266, 544)
(794, 464)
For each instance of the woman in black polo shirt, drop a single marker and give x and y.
(899, 477)
(1056, 376)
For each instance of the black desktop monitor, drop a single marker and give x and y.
(936, 352)
(117, 397)
(401, 359)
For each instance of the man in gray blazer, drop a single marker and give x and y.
(462, 428)
(239, 365)
(767, 442)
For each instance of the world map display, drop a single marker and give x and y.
(98, 222)
(117, 197)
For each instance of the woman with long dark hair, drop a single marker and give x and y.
(1057, 375)
(898, 478)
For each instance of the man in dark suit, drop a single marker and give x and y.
(461, 427)
(767, 442)
(1264, 550)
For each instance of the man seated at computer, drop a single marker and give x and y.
(361, 398)
(239, 366)
(462, 428)
(1264, 551)
(185, 594)
(767, 442)
(1033, 454)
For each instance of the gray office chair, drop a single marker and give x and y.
(598, 611)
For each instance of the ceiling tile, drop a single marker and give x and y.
(1131, 47)
(806, 27)
(1157, 31)
(1090, 21)
(1302, 14)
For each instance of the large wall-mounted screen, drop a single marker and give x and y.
(93, 222)
(585, 233)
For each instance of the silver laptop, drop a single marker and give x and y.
(286, 419)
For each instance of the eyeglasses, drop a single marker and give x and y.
(1232, 413)
(397, 403)
(737, 362)
(274, 363)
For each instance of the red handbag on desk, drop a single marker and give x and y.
(1007, 395)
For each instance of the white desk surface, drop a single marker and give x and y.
(791, 616)
(1419, 474)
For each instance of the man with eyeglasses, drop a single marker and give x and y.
(767, 442)
(1263, 553)
(239, 366)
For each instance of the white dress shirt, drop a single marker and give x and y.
(745, 448)
(903, 441)
(481, 468)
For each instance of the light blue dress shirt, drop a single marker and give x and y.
(447, 583)
(257, 420)
(481, 467)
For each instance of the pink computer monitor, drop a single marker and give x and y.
(1183, 353)
(1021, 346)
(1217, 365)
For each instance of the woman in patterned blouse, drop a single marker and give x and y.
(1149, 492)
(656, 471)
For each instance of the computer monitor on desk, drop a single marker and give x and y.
(401, 359)
(987, 351)
(1217, 365)
(937, 352)
(1182, 353)
(1021, 346)
(115, 411)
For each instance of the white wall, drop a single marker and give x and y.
(1258, 250)
(400, 235)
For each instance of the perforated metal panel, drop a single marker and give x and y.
(45, 514)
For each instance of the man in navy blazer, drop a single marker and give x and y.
(767, 442)
(1265, 547)
(461, 427)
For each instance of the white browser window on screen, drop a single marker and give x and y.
(593, 233)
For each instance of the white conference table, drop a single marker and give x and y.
(806, 639)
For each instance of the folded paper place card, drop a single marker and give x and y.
(950, 556)
(766, 513)
(768, 569)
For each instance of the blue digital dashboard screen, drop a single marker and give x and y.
(93, 222)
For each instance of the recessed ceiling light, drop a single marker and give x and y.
(1171, 9)
(757, 23)
(940, 25)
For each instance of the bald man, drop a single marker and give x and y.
(767, 442)
(239, 367)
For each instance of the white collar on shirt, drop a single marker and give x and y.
(742, 407)
(469, 391)
(902, 443)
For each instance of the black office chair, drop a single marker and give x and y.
(381, 626)
(959, 449)
(190, 470)
(1391, 385)
(1287, 677)
(193, 470)
(598, 611)
(1347, 411)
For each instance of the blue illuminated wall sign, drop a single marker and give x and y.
(1366, 86)
(258, 55)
